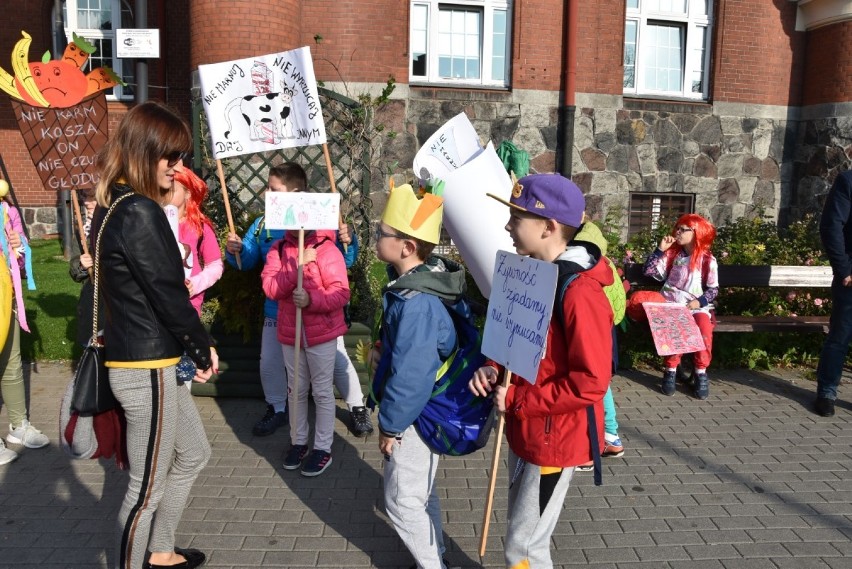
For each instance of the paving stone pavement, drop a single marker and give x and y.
(748, 479)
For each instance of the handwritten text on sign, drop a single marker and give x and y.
(300, 210)
(673, 328)
(64, 142)
(519, 312)
(262, 103)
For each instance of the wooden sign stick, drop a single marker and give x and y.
(298, 342)
(75, 212)
(330, 169)
(495, 462)
(227, 206)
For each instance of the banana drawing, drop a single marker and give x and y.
(21, 67)
(7, 84)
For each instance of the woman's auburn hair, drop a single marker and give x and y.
(147, 133)
(705, 234)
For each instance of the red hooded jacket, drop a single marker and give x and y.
(546, 422)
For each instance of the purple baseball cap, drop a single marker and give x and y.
(551, 196)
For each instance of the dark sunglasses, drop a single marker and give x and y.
(172, 158)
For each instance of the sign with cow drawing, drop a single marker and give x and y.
(262, 103)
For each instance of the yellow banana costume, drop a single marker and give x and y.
(5, 299)
(21, 67)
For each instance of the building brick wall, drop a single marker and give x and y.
(758, 55)
(362, 40)
(537, 52)
(828, 64)
(600, 52)
(222, 31)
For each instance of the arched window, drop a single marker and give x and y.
(97, 20)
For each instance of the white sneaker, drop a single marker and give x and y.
(27, 435)
(7, 455)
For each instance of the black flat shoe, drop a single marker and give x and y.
(194, 558)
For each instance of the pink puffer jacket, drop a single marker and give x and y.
(324, 280)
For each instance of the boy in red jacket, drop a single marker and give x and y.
(556, 423)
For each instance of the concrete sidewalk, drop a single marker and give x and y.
(749, 478)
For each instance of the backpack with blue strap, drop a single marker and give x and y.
(454, 422)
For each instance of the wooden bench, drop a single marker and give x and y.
(773, 276)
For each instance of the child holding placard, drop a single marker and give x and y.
(684, 261)
(555, 423)
(323, 294)
(253, 248)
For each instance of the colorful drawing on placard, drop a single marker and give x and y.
(262, 103)
(673, 328)
(302, 210)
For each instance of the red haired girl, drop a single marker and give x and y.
(202, 259)
(691, 276)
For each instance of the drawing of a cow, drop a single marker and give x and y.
(262, 116)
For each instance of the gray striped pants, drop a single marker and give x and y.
(167, 448)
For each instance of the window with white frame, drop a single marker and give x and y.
(667, 48)
(464, 42)
(97, 20)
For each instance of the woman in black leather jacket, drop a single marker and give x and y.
(148, 323)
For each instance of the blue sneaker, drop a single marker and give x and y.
(317, 463)
(701, 387)
(668, 387)
(294, 457)
(613, 448)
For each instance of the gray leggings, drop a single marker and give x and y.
(167, 448)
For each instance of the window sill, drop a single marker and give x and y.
(459, 92)
(672, 105)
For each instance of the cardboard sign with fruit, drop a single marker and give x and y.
(58, 83)
(61, 111)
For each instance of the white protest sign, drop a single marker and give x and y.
(448, 148)
(519, 312)
(262, 103)
(302, 210)
(475, 221)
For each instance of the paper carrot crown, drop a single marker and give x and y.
(420, 218)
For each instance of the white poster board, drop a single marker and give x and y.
(519, 312)
(448, 148)
(302, 210)
(474, 221)
(136, 42)
(262, 103)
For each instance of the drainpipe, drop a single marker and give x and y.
(568, 109)
(141, 63)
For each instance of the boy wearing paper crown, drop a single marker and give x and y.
(556, 423)
(417, 335)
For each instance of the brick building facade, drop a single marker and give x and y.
(752, 112)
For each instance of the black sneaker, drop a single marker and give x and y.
(294, 457)
(316, 464)
(824, 407)
(361, 424)
(270, 422)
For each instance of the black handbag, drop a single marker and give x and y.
(92, 393)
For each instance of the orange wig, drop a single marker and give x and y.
(196, 193)
(704, 233)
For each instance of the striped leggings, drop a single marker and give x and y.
(167, 448)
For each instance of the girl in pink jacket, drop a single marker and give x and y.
(324, 292)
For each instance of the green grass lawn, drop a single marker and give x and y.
(51, 308)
